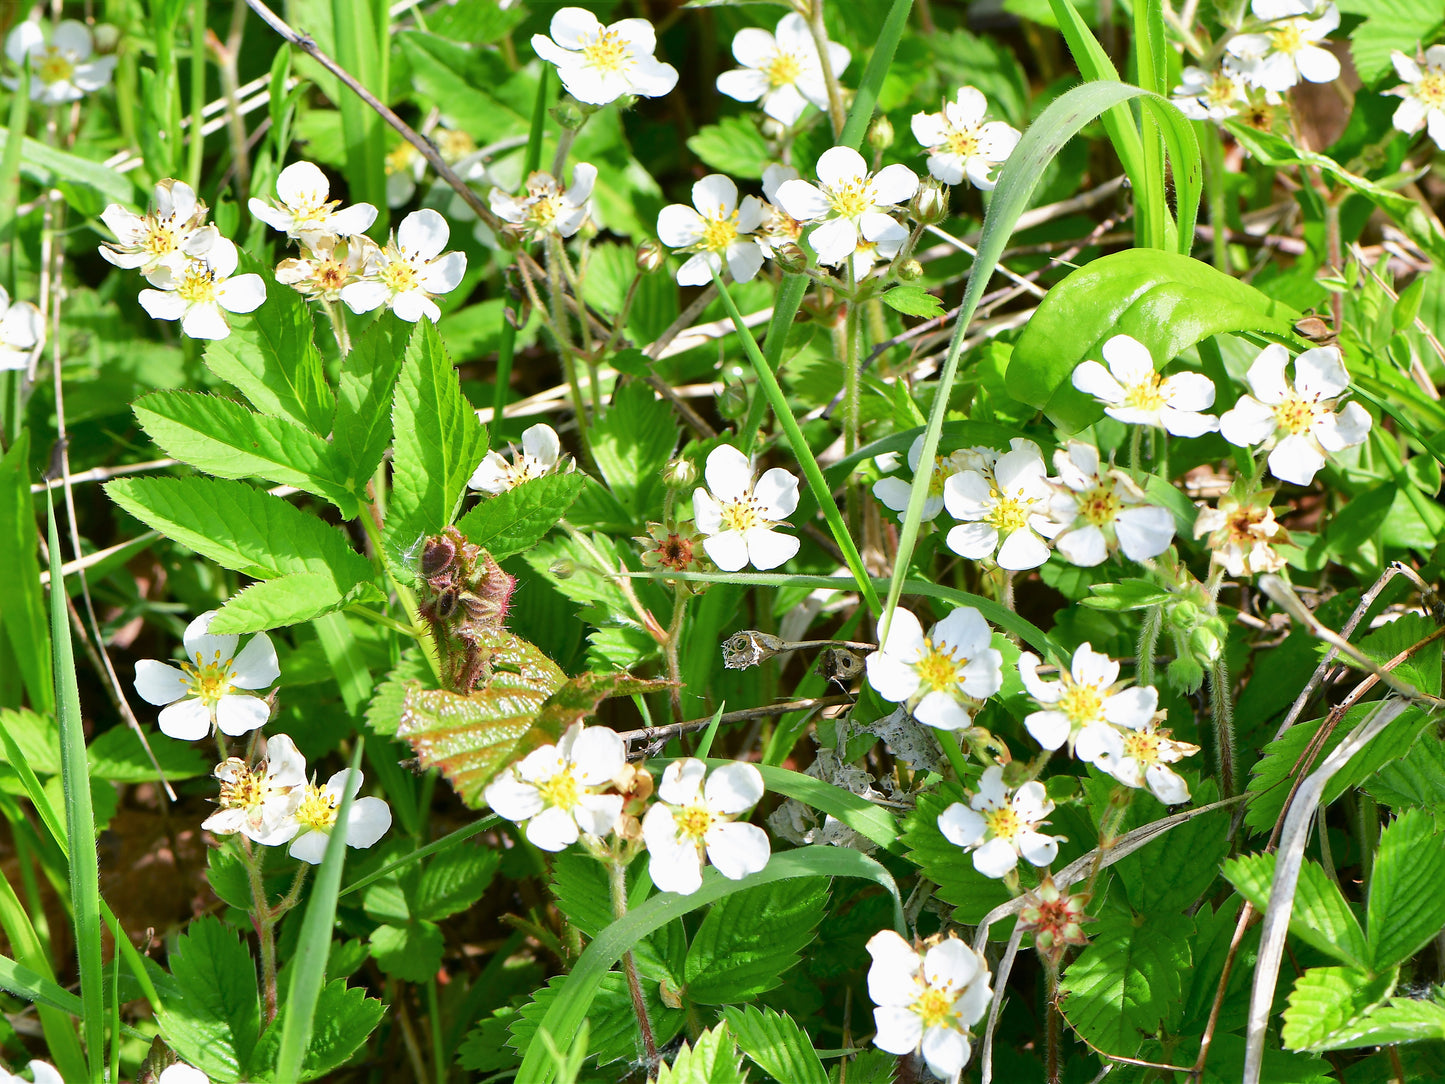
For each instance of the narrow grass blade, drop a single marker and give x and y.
(445, 843)
(362, 49)
(10, 162)
(880, 57)
(30, 954)
(79, 819)
(22, 601)
(704, 747)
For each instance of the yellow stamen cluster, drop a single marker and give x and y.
(1100, 506)
(197, 286)
(561, 791)
(209, 681)
(54, 67)
(1295, 415)
(693, 822)
(1081, 703)
(245, 790)
(743, 514)
(609, 53)
(317, 810)
(935, 1008)
(1009, 513)
(399, 276)
(1288, 38)
(1145, 395)
(852, 198)
(938, 668)
(1003, 822)
(963, 141)
(718, 233)
(400, 158)
(1142, 746)
(784, 69)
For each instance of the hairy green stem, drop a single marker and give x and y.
(617, 881)
(264, 919)
(1222, 712)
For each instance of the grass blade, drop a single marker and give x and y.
(879, 60)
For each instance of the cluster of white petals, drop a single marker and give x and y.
(739, 513)
(1133, 393)
(213, 687)
(63, 67)
(556, 790)
(303, 210)
(999, 827)
(1003, 509)
(171, 232)
(781, 70)
(1143, 761)
(694, 822)
(961, 144)
(410, 270)
(260, 803)
(942, 677)
(851, 208)
(1287, 48)
(779, 227)
(716, 229)
(927, 1002)
(599, 64)
(1422, 93)
(1102, 510)
(541, 454)
(894, 492)
(368, 819)
(546, 207)
(1297, 421)
(1212, 95)
(22, 326)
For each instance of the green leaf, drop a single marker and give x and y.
(288, 600)
(867, 1067)
(1416, 779)
(1127, 981)
(1166, 301)
(631, 444)
(1422, 668)
(611, 1021)
(1172, 872)
(45, 164)
(972, 894)
(582, 893)
(411, 953)
(749, 939)
(216, 1020)
(1327, 1001)
(438, 442)
(453, 881)
(22, 606)
(515, 521)
(223, 438)
(1399, 1020)
(1320, 917)
(776, 1045)
(364, 396)
(713, 1059)
(856, 812)
(272, 360)
(383, 711)
(1407, 906)
(734, 146)
(913, 301)
(1389, 25)
(118, 756)
(344, 1017)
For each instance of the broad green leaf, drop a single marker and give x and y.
(1127, 981)
(36, 738)
(362, 428)
(712, 1059)
(733, 145)
(1320, 917)
(776, 1044)
(631, 444)
(869, 1066)
(913, 301)
(582, 893)
(438, 442)
(1399, 1020)
(1172, 872)
(1393, 639)
(516, 520)
(460, 81)
(289, 600)
(857, 813)
(344, 1017)
(1416, 779)
(611, 1021)
(748, 940)
(22, 605)
(117, 755)
(972, 894)
(1166, 301)
(454, 880)
(1407, 906)
(1328, 1001)
(271, 358)
(45, 164)
(1389, 25)
(224, 438)
(410, 953)
(383, 710)
(215, 1021)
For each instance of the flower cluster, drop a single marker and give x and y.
(1287, 47)
(851, 209)
(1422, 93)
(214, 687)
(599, 64)
(547, 208)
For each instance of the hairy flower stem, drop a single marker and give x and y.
(837, 116)
(1051, 1008)
(617, 880)
(1222, 712)
(338, 326)
(1148, 641)
(264, 919)
(674, 634)
(851, 401)
(558, 323)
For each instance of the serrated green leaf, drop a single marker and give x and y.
(516, 520)
(411, 953)
(1320, 917)
(1389, 25)
(343, 1018)
(362, 429)
(1422, 667)
(1416, 779)
(775, 1043)
(972, 894)
(1172, 872)
(224, 438)
(712, 1059)
(288, 600)
(228, 878)
(631, 444)
(612, 1024)
(1399, 1020)
(1326, 1001)
(215, 1021)
(868, 1067)
(913, 301)
(118, 756)
(438, 441)
(1407, 906)
(1167, 301)
(1126, 982)
(748, 940)
(454, 880)
(733, 145)
(383, 712)
(581, 890)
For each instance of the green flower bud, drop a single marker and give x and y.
(790, 258)
(1183, 615)
(1186, 675)
(650, 255)
(930, 203)
(680, 474)
(880, 133)
(909, 270)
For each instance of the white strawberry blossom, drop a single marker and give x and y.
(328, 265)
(1143, 761)
(1297, 421)
(693, 823)
(1087, 707)
(21, 327)
(850, 206)
(739, 515)
(260, 803)
(540, 454)
(999, 827)
(547, 208)
(1288, 49)
(1133, 393)
(172, 231)
(894, 492)
(779, 227)
(941, 677)
(927, 1002)
(1005, 510)
(599, 64)
(203, 690)
(315, 818)
(61, 68)
(718, 230)
(1243, 533)
(1211, 95)
(1103, 510)
(1422, 93)
(200, 290)
(960, 144)
(410, 271)
(556, 790)
(781, 70)
(303, 211)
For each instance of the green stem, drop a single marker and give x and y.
(1148, 642)
(1213, 147)
(264, 919)
(785, 308)
(851, 397)
(879, 60)
(418, 631)
(617, 881)
(953, 751)
(674, 634)
(1222, 713)
(836, 116)
(198, 91)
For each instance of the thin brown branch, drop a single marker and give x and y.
(653, 738)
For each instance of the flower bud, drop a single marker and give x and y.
(107, 37)
(680, 474)
(563, 569)
(570, 114)
(1183, 615)
(1205, 643)
(1185, 674)
(790, 258)
(733, 402)
(930, 203)
(650, 255)
(774, 131)
(909, 270)
(880, 133)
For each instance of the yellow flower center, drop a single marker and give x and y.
(317, 810)
(1009, 513)
(400, 158)
(245, 791)
(312, 209)
(719, 232)
(1142, 746)
(1221, 91)
(399, 276)
(743, 514)
(938, 668)
(693, 822)
(453, 145)
(935, 1008)
(160, 239)
(942, 470)
(1295, 415)
(852, 198)
(963, 141)
(1145, 395)
(331, 274)
(609, 52)
(1081, 703)
(1004, 823)
(54, 67)
(198, 286)
(209, 681)
(1100, 506)
(1431, 88)
(784, 69)
(562, 790)
(1288, 39)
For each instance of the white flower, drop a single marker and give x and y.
(200, 290)
(304, 212)
(894, 492)
(1243, 534)
(1085, 707)
(547, 208)
(718, 229)
(1006, 511)
(315, 818)
(410, 271)
(783, 69)
(1143, 760)
(960, 144)
(328, 266)
(849, 204)
(555, 789)
(43, 1073)
(539, 455)
(1297, 421)
(600, 64)
(1133, 393)
(943, 676)
(999, 828)
(1422, 93)
(1216, 95)
(202, 692)
(260, 802)
(739, 515)
(60, 69)
(690, 820)
(174, 230)
(779, 227)
(21, 327)
(1285, 51)
(927, 1001)
(179, 1074)
(1102, 511)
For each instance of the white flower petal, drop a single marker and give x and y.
(238, 714)
(737, 850)
(186, 720)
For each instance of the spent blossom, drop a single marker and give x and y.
(1102, 510)
(200, 290)
(61, 68)
(547, 207)
(541, 454)
(303, 211)
(782, 69)
(1133, 393)
(260, 802)
(599, 64)
(1288, 48)
(315, 818)
(213, 687)
(942, 677)
(961, 144)
(328, 265)
(1000, 827)
(693, 822)
(779, 228)
(720, 229)
(927, 1001)
(410, 271)
(1242, 534)
(1422, 93)
(21, 327)
(556, 790)
(1004, 510)
(174, 230)
(1087, 706)
(1296, 421)
(740, 515)
(850, 206)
